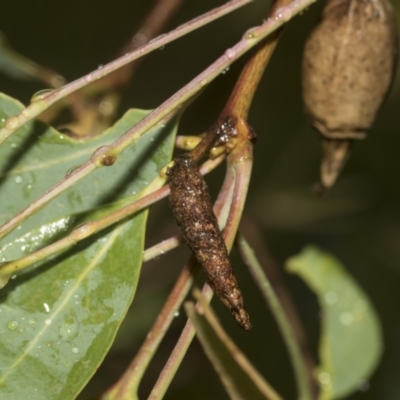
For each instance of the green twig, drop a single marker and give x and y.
(299, 366)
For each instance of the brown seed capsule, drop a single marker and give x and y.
(192, 208)
(348, 66)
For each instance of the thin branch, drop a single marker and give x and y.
(161, 248)
(299, 366)
(43, 102)
(242, 95)
(253, 234)
(236, 356)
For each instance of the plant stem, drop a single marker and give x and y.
(127, 386)
(162, 247)
(41, 104)
(187, 142)
(237, 357)
(242, 95)
(300, 369)
(238, 171)
(271, 269)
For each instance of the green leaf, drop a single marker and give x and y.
(351, 338)
(59, 320)
(240, 379)
(37, 157)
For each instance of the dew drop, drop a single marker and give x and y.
(26, 112)
(106, 108)
(100, 66)
(71, 170)
(346, 318)
(250, 34)
(108, 160)
(75, 350)
(84, 229)
(103, 156)
(139, 39)
(283, 14)
(47, 321)
(27, 190)
(230, 53)
(46, 307)
(57, 81)
(69, 328)
(324, 378)
(89, 78)
(12, 325)
(41, 94)
(18, 179)
(12, 123)
(331, 298)
(203, 82)
(176, 314)
(31, 322)
(225, 71)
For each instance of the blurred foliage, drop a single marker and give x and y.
(358, 221)
(350, 345)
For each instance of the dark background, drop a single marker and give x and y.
(358, 221)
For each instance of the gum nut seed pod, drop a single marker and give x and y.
(348, 66)
(191, 205)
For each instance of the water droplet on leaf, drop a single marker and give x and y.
(12, 325)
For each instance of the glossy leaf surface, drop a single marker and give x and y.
(58, 321)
